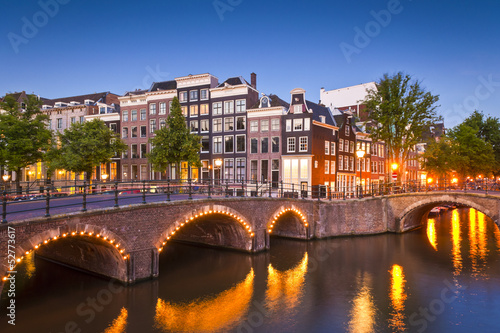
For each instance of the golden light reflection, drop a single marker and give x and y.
(29, 262)
(431, 232)
(363, 312)
(221, 312)
(473, 251)
(118, 325)
(496, 232)
(482, 236)
(457, 242)
(398, 297)
(285, 289)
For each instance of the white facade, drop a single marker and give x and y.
(345, 97)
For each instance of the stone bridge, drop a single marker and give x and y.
(125, 242)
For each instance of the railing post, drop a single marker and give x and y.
(270, 186)
(344, 193)
(465, 187)
(486, 187)
(319, 192)
(293, 192)
(4, 207)
(116, 194)
(143, 192)
(330, 193)
(281, 182)
(227, 188)
(242, 187)
(209, 188)
(168, 188)
(190, 197)
(84, 202)
(47, 202)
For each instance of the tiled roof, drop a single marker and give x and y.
(319, 110)
(136, 92)
(96, 97)
(275, 101)
(234, 81)
(164, 85)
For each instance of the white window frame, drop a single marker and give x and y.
(303, 140)
(216, 108)
(299, 122)
(254, 126)
(327, 147)
(290, 143)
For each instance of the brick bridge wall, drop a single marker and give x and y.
(124, 243)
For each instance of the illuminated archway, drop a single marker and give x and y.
(300, 230)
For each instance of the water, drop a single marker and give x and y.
(444, 277)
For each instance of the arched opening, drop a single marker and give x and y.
(99, 254)
(222, 228)
(289, 223)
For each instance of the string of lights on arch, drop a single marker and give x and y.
(111, 241)
(243, 223)
(283, 211)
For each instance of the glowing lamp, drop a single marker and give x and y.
(394, 166)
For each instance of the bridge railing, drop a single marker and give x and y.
(53, 198)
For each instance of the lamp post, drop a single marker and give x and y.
(5, 178)
(360, 154)
(218, 164)
(104, 177)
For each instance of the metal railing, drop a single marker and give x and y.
(52, 197)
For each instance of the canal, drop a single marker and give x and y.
(444, 277)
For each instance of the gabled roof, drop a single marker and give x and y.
(275, 101)
(164, 85)
(319, 110)
(136, 92)
(234, 81)
(96, 97)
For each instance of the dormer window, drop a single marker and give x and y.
(297, 108)
(60, 104)
(264, 102)
(46, 107)
(347, 131)
(88, 101)
(73, 103)
(322, 119)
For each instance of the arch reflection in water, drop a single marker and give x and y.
(285, 289)
(431, 232)
(221, 312)
(457, 242)
(119, 325)
(363, 312)
(398, 297)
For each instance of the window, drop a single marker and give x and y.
(291, 145)
(240, 169)
(194, 126)
(303, 143)
(351, 145)
(264, 125)
(59, 123)
(82, 119)
(143, 150)
(193, 110)
(124, 132)
(241, 143)
(163, 123)
(275, 124)
(73, 120)
(152, 125)
(217, 145)
(125, 115)
(217, 125)
(297, 108)
(102, 110)
(346, 146)
(254, 142)
(134, 151)
(143, 132)
(254, 126)
(152, 108)
(297, 124)
(332, 150)
(134, 132)
(204, 125)
(183, 96)
(228, 144)
(264, 148)
(327, 147)
(352, 163)
(205, 143)
(163, 108)
(228, 107)
(217, 108)
(133, 115)
(229, 124)
(241, 105)
(203, 94)
(275, 143)
(184, 110)
(203, 109)
(307, 124)
(289, 125)
(341, 163)
(332, 167)
(143, 114)
(341, 144)
(229, 169)
(327, 167)
(264, 169)
(240, 123)
(347, 130)
(193, 95)
(253, 169)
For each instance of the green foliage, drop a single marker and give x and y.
(24, 136)
(84, 146)
(401, 110)
(174, 143)
(438, 157)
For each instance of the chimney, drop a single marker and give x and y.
(253, 80)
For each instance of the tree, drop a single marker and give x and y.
(438, 157)
(25, 137)
(174, 143)
(401, 109)
(84, 146)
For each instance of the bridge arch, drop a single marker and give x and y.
(299, 229)
(97, 239)
(240, 237)
(415, 214)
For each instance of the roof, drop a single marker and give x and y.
(275, 101)
(319, 110)
(136, 92)
(164, 85)
(96, 97)
(234, 81)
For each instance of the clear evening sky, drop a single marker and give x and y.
(86, 46)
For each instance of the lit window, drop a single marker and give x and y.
(341, 144)
(333, 168)
(184, 110)
(193, 110)
(327, 167)
(327, 147)
(203, 109)
(347, 130)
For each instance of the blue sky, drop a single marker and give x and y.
(87, 46)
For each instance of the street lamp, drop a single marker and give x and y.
(104, 177)
(360, 154)
(5, 177)
(218, 164)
